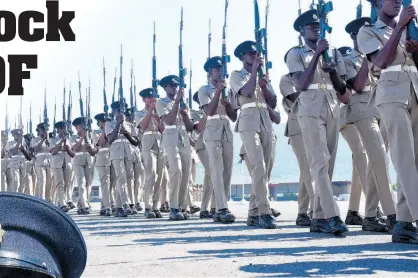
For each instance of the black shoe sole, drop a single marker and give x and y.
(404, 239)
(319, 230)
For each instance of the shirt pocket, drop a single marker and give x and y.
(310, 94)
(390, 77)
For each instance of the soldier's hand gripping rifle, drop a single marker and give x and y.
(182, 70)
(412, 28)
(323, 10)
(260, 35)
(225, 57)
(155, 81)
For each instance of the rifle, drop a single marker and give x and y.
(135, 91)
(46, 120)
(312, 5)
(81, 98)
(20, 115)
(114, 85)
(7, 129)
(374, 15)
(63, 113)
(190, 86)
(133, 104)
(122, 100)
(30, 119)
(359, 10)
(88, 108)
(54, 130)
(70, 107)
(209, 43)
(155, 81)
(299, 14)
(259, 36)
(412, 28)
(323, 10)
(182, 71)
(106, 107)
(225, 57)
(269, 64)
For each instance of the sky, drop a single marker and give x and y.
(101, 26)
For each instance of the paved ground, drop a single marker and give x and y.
(136, 247)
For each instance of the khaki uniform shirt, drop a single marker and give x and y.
(121, 148)
(17, 160)
(82, 156)
(102, 157)
(172, 136)
(197, 116)
(43, 157)
(393, 86)
(310, 101)
(151, 137)
(358, 106)
(250, 119)
(286, 89)
(61, 159)
(219, 124)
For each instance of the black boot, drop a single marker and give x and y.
(337, 225)
(120, 212)
(320, 226)
(226, 217)
(253, 221)
(404, 232)
(176, 215)
(303, 220)
(205, 215)
(267, 222)
(372, 224)
(391, 222)
(353, 218)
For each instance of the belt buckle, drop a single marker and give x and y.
(259, 105)
(323, 86)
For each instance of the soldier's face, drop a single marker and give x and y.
(60, 131)
(171, 89)
(391, 7)
(149, 101)
(216, 74)
(79, 129)
(311, 32)
(249, 57)
(101, 124)
(116, 113)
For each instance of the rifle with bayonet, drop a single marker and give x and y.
(155, 81)
(359, 10)
(30, 120)
(114, 85)
(122, 100)
(182, 70)
(132, 92)
(46, 119)
(209, 43)
(20, 115)
(68, 121)
(412, 28)
(6, 128)
(83, 115)
(106, 107)
(88, 99)
(54, 130)
(259, 37)
(312, 5)
(190, 86)
(299, 14)
(136, 103)
(225, 57)
(63, 113)
(323, 10)
(269, 64)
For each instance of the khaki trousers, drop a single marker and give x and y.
(44, 183)
(378, 180)
(69, 187)
(104, 177)
(123, 172)
(62, 179)
(208, 194)
(220, 154)
(30, 181)
(320, 136)
(164, 197)
(112, 188)
(154, 166)
(306, 195)
(258, 149)
(82, 178)
(360, 163)
(16, 178)
(401, 122)
(137, 183)
(179, 161)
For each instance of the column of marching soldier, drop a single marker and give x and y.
(367, 92)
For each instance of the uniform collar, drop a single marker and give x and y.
(355, 54)
(210, 85)
(307, 48)
(244, 71)
(380, 24)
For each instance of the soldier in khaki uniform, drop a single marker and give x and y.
(199, 120)
(134, 183)
(61, 165)
(218, 136)
(41, 147)
(119, 134)
(82, 163)
(318, 115)
(30, 178)
(102, 164)
(151, 127)
(17, 164)
(306, 194)
(4, 161)
(176, 144)
(385, 45)
(254, 95)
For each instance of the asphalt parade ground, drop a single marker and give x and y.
(139, 247)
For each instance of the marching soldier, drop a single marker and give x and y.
(61, 165)
(4, 161)
(254, 95)
(218, 136)
(318, 115)
(293, 131)
(176, 144)
(41, 146)
(365, 120)
(30, 178)
(200, 119)
(151, 127)
(121, 156)
(17, 163)
(102, 164)
(385, 45)
(82, 163)
(134, 184)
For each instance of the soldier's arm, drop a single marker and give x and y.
(146, 120)
(77, 145)
(274, 116)
(132, 139)
(192, 142)
(338, 82)
(200, 125)
(38, 147)
(25, 153)
(358, 82)
(171, 117)
(208, 105)
(114, 133)
(293, 97)
(301, 78)
(57, 147)
(231, 112)
(248, 89)
(269, 95)
(189, 124)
